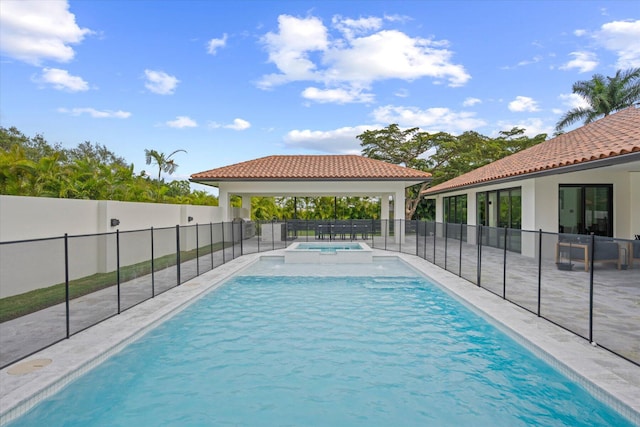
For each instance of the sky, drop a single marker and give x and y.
(230, 81)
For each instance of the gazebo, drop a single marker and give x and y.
(313, 176)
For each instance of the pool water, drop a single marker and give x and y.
(324, 351)
(329, 246)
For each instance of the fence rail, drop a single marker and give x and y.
(54, 288)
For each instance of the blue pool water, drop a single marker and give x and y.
(329, 246)
(284, 350)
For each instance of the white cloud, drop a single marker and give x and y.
(573, 100)
(402, 93)
(182, 122)
(34, 31)
(579, 32)
(62, 80)
(215, 44)
(391, 54)
(289, 49)
(523, 63)
(337, 141)
(338, 96)
(160, 82)
(96, 114)
(533, 60)
(356, 55)
(352, 27)
(583, 61)
(239, 124)
(523, 103)
(429, 120)
(532, 126)
(470, 102)
(623, 38)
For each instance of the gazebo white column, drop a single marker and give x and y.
(398, 214)
(246, 204)
(224, 203)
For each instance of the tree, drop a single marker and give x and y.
(30, 166)
(165, 163)
(95, 151)
(400, 147)
(444, 155)
(604, 95)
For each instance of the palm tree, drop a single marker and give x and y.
(164, 163)
(604, 95)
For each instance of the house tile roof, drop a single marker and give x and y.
(614, 135)
(312, 167)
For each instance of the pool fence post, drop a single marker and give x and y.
(66, 279)
(258, 233)
(435, 232)
(241, 226)
(539, 268)
(397, 230)
(424, 252)
(385, 234)
(504, 266)
(177, 255)
(460, 254)
(417, 237)
(479, 260)
(118, 265)
(211, 243)
(446, 242)
(223, 249)
(197, 252)
(273, 240)
(233, 240)
(592, 250)
(153, 270)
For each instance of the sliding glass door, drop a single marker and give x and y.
(499, 209)
(586, 209)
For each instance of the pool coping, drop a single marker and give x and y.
(610, 378)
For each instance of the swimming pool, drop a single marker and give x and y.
(274, 348)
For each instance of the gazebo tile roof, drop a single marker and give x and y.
(312, 167)
(611, 136)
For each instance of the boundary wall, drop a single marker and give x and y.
(25, 218)
(32, 265)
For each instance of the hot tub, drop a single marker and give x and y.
(328, 253)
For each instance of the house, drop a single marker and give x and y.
(584, 181)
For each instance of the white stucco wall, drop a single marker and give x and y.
(634, 204)
(32, 265)
(23, 218)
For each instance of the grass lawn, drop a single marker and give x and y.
(19, 305)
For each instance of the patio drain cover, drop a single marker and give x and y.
(28, 366)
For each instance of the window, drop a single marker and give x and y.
(455, 209)
(586, 209)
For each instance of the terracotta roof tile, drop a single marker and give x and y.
(310, 167)
(614, 135)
